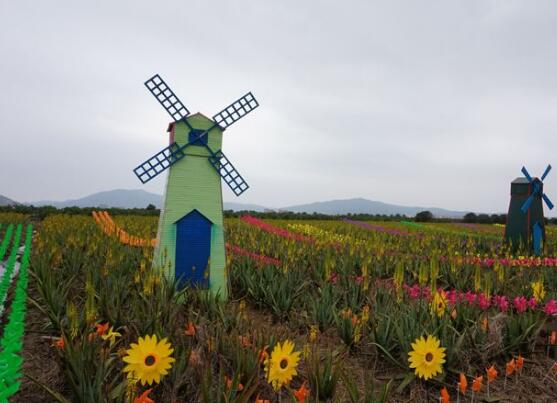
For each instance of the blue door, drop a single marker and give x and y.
(193, 248)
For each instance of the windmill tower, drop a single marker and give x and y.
(190, 239)
(525, 220)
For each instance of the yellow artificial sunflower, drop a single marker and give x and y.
(438, 304)
(427, 357)
(148, 360)
(280, 367)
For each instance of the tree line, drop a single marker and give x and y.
(39, 213)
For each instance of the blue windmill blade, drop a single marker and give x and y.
(527, 203)
(159, 162)
(526, 174)
(235, 111)
(167, 98)
(546, 172)
(227, 172)
(547, 201)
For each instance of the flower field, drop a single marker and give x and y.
(339, 311)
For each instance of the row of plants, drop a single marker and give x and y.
(11, 339)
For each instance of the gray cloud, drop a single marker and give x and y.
(423, 103)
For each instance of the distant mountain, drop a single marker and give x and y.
(4, 201)
(245, 207)
(122, 198)
(364, 206)
(140, 199)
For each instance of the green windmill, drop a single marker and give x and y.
(190, 239)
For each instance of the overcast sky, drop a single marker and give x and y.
(429, 103)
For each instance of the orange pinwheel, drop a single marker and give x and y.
(59, 344)
(302, 394)
(190, 330)
(511, 366)
(101, 329)
(463, 384)
(144, 398)
(519, 363)
(230, 383)
(263, 355)
(477, 384)
(491, 374)
(445, 397)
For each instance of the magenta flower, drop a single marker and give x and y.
(520, 304)
(483, 302)
(414, 291)
(532, 303)
(470, 297)
(452, 297)
(550, 307)
(503, 303)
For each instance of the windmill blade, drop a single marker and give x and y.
(236, 110)
(227, 171)
(546, 172)
(547, 201)
(159, 162)
(527, 203)
(166, 98)
(526, 174)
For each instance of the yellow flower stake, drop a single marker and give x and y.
(111, 335)
(281, 366)
(538, 290)
(148, 360)
(427, 357)
(438, 304)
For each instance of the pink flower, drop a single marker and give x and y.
(334, 278)
(470, 297)
(550, 307)
(520, 304)
(483, 302)
(414, 291)
(359, 279)
(532, 303)
(426, 293)
(452, 297)
(503, 303)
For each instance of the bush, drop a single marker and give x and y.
(424, 216)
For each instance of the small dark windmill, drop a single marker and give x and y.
(525, 220)
(190, 238)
